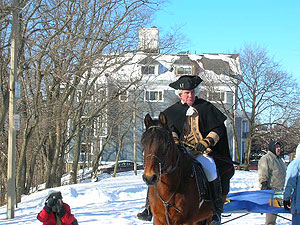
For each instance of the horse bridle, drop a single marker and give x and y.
(161, 164)
(166, 204)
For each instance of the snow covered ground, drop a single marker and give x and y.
(118, 200)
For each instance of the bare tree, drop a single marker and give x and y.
(62, 43)
(264, 94)
(265, 89)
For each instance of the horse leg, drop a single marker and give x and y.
(208, 221)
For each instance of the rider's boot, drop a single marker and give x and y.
(216, 193)
(146, 214)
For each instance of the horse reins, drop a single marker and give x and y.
(167, 204)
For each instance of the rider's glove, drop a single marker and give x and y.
(204, 144)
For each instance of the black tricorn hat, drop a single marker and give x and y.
(186, 82)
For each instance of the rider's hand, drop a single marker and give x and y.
(204, 144)
(287, 204)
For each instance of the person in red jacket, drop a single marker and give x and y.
(56, 212)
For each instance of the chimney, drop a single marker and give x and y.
(148, 40)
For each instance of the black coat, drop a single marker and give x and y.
(209, 118)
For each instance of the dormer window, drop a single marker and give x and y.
(184, 70)
(148, 65)
(148, 69)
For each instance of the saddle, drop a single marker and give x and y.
(201, 180)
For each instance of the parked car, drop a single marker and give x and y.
(253, 165)
(123, 166)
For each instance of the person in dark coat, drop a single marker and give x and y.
(200, 124)
(271, 173)
(56, 212)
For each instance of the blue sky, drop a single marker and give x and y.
(225, 26)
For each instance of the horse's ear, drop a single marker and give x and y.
(163, 119)
(148, 121)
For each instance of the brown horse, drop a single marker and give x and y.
(173, 193)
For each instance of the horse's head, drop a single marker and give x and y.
(158, 145)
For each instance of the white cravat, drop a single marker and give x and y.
(190, 111)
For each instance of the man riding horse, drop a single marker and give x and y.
(200, 125)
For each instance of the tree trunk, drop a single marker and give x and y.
(120, 147)
(54, 146)
(76, 154)
(3, 107)
(99, 154)
(236, 145)
(21, 168)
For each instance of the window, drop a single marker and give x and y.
(222, 96)
(84, 149)
(148, 69)
(203, 94)
(154, 96)
(216, 96)
(245, 126)
(123, 97)
(100, 94)
(229, 97)
(88, 97)
(245, 129)
(183, 70)
(79, 95)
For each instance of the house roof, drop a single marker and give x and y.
(183, 60)
(219, 66)
(149, 61)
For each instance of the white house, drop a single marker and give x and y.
(142, 78)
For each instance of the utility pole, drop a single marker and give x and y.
(11, 167)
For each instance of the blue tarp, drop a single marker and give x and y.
(252, 201)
